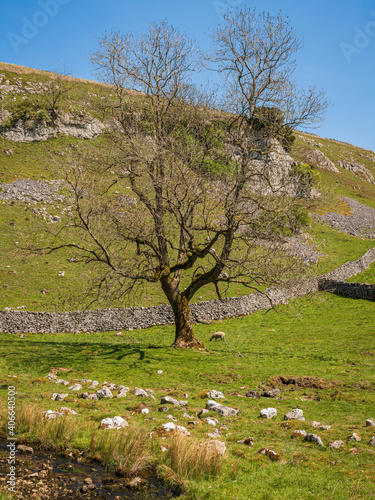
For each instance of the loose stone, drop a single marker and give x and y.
(314, 438)
(268, 413)
(295, 414)
(336, 445)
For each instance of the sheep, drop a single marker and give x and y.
(218, 335)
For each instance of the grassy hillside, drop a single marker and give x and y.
(32, 280)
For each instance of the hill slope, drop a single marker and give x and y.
(30, 142)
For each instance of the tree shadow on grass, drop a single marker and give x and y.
(87, 355)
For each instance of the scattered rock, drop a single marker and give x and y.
(335, 445)
(249, 441)
(223, 411)
(104, 392)
(123, 388)
(268, 413)
(113, 423)
(214, 395)
(202, 412)
(295, 414)
(90, 396)
(372, 440)
(186, 415)
(171, 427)
(163, 409)
(355, 437)
(298, 433)
(324, 427)
(53, 378)
(314, 438)
(272, 454)
(253, 394)
(32, 191)
(370, 422)
(61, 412)
(171, 417)
(211, 421)
(170, 400)
(271, 393)
(75, 387)
(214, 433)
(122, 393)
(139, 392)
(58, 397)
(195, 422)
(360, 223)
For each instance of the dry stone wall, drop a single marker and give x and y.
(144, 317)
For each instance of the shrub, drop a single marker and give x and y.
(306, 173)
(29, 112)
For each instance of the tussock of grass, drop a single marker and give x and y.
(129, 450)
(190, 459)
(49, 435)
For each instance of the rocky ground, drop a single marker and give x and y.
(298, 246)
(360, 223)
(27, 190)
(53, 476)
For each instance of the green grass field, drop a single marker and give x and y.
(324, 337)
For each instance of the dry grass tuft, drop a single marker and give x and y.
(49, 435)
(191, 459)
(129, 449)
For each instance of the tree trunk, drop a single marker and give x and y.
(184, 336)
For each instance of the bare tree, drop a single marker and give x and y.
(55, 89)
(194, 213)
(254, 53)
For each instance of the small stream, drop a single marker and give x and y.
(60, 477)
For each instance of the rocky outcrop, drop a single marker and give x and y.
(316, 158)
(82, 127)
(358, 170)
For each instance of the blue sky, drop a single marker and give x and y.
(338, 54)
